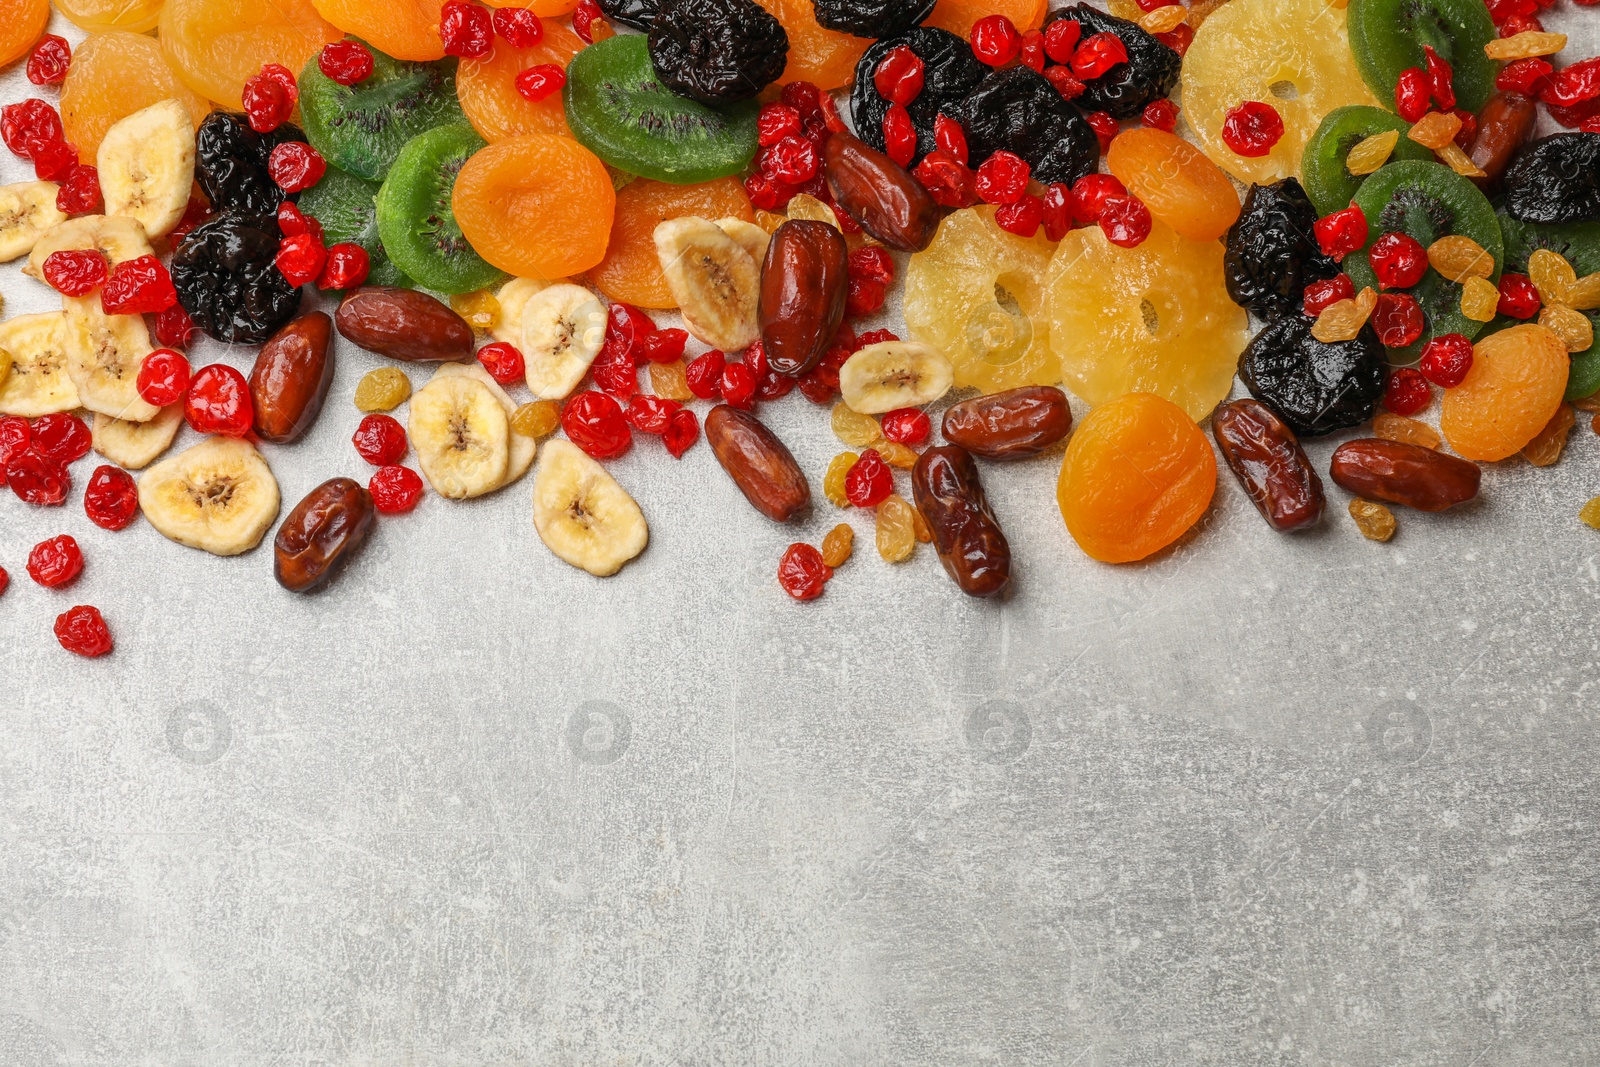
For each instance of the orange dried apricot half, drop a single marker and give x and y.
(22, 23)
(1516, 383)
(488, 87)
(826, 58)
(1176, 181)
(98, 16)
(215, 45)
(404, 29)
(113, 75)
(631, 269)
(1138, 474)
(536, 207)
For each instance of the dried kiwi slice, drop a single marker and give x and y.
(361, 128)
(1579, 244)
(416, 221)
(1427, 201)
(619, 110)
(347, 208)
(1329, 184)
(1386, 39)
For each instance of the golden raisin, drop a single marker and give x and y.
(670, 380)
(1585, 293)
(1480, 299)
(1436, 129)
(923, 530)
(480, 309)
(1545, 449)
(769, 221)
(806, 206)
(1460, 162)
(1343, 320)
(833, 481)
(1588, 403)
(383, 389)
(1163, 19)
(1375, 521)
(1399, 428)
(1526, 45)
(1372, 153)
(1459, 258)
(1552, 275)
(897, 533)
(536, 420)
(1591, 513)
(853, 428)
(1573, 327)
(897, 455)
(838, 545)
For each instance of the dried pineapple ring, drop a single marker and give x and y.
(1152, 319)
(977, 294)
(1292, 54)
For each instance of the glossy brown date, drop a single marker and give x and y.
(966, 534)
(290, 378)
(880, 194)
(759, 464)
(1400, 473)
(1266, 457)
(804, 283)
(321, 533)
(1504, 125)
(1014, 424)
(404, 324)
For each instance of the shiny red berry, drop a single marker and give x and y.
(774, 386)
(1441, 79)
(995, 40)
(540, 81)
(1070, 88)
(50, 60)
(1003, 178)
(55, 562)
(1160, 115)
(1399, 260)
(380, 440)
(55, 162)
(1446, 360)
(395, 490)
(869, 481)
(1057, 218)
(1321, 295)
(587, 18)
(37, 479)
(1252, 128)
(663, 346)
(138, 287)
(296, 166)
(1526, 76)
(82, 630)
(1031, 52)
(802, 573)
(864, 296)
(1096, 55)
(28, 125)
(1104, 126)
(739, 384)
(1022, 218)
(682, 431)
(899, 75)
(764, 193)
(300, 259)
(1407, 392)
(704, 374)
(174, 328)
(1342, 232)
(594, 422)
(1518, 296)
(614, 370)
(5, 581)
(1089, 196)
(1398, 319)
(111, 499)
(345, 268)
(872, 262)
(292, 222)
(269, 97)
(76, 272)
(16, 438)
(467, 30)
(1411, 94)
(951, 184)
(906, 426)
(775, 122)
(1126, 221)
(950, 137)
(520, 27)
(348, 62)
(899, 135)
(80, 193)
(793, 160)
(503, 362)
(219, 401)
(651, 414)
(61, 437)
(1061, 40)
(626, 326)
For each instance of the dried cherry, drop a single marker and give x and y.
(395, 489)
(1125, 89)
(111, 499)
(219, 402)
(594, 422)
(61, 437)
(802, 573)
(82, 630)
(55, 562)
(37, 479)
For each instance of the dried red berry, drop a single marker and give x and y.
(467, 30)
(899, 135)
(174, 328)
(82, 630)
(16, 438)
(739, 384)
(1031, 52)
(899, 75)
(540, 80)
(111, 499)
(348, 62)
(1071, 88)
(995, 40)
(773, 386)
(951, 184)
(218, 401)
(296, 166)
(1398, 319)
(380, 440)
(55, 161)
(163, 377)
(626, 326)
(683, 430)
(27, 125)
(50, 60)
(1527, 76)
(1022, 218)
(864, 296)
(775, 122)
(1089, 196)
(395, 490)
(1104, 126)
(593, 421)
(950, 137)
(1096, 55)
(1252, 128)
(704, 374)
(793, 160)
(873, 262)
(1573, 85)
(1342, 232)
(269, 97)
(906, 426)
(1446, 360)
(37, 479)
(1160, 115)
(588, 20)
(503, 362)
(1061, 40)
(651, 414)
(614, 370)
(61, 437)
(300, 259)
(1440, 79)
(1324, 294)
(1399, 260)
(520, 27)
(1003, 178)
(801, 571)
(345, 268)
(869, 481)
(55, 562)
(76, 272)
(663, 346)
(1057, 219)
(292, 222)
(1519, 298)
(80, 193)
(5, 581)
(138, 287)
(1126, 221)
(764, 193)
(1407, 392)
(1412, 93)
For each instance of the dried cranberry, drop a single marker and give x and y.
(792, 160)
(1573, 85)
(626, 326)
(218, 401)
(292, 222)
(1399, 260)
(872, 262)
(467, 30)
(1071, 88)
(739, 383)
(138, 287)
(683, 430)
(864, 296)
(76, 272)
(764, 193)
(80, 193)
(1412, 93)
(520, 27)
(1022, 218)
(82, 630)
(16, 438)
(174, 328)
(774, 386)
(651, 414)
(163, 377)
(503, 362)
(804, 97)
(26, 126)
(395, 490)
(346, 267)
(348, 62)
(1057, 202)
(1126, 221)
(614, 370)
(111, 499)
(1440, 79)
(704, 374)
(50, 60)
(300, 258)
(906, 426)
(1446, 360)
(1468, 131)
(1160, 115)
(593, 421)
(1089, 196)
(1178, 39)
(380, 440)
(869, 481)
(899, 135)
(540, 80)
(1520, 24)
(1252, 128)
(899, 75)
(995, 40)
(61, 437)
(55, 562)
(663, 346)
(1324, 294)
(38, 480)
(775, 122)
(1061, 40)
(1031, 51)
(1104, 126)
(54, 162)
(1097, 54)
(1527, 76)
(269, 97)
(1519, 298)
(5, 581)
(1398, 319)
(950, 137)
(1003, 178)
(871, 337)
(1342, 232)
(801, 571)
(1407, 392)
(295, 166)
(950, 183)
(589, 22)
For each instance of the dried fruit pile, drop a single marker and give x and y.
(495, 194)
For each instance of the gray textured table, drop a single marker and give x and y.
(1266, 800)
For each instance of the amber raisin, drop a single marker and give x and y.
(1480, 299)
(670, 381)
(1372, 153)
(855, 429)
(1343, 320)
(1545, 449)
(838, 545)
(1573, 327)
(1459, 258)
(1375, 521)
(1552, 275)
(481, 309)
(536, 420)
(1399, 428)
(897, 455)
(1590, 514)
(833, 481)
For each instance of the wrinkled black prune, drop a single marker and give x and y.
(1150, 74)
(1316, 388)
(950, 72)
(1556, 179)
(227, 281)
(1272, 251)
(717, 51)
(873, 18)
(231, 164)
(635, 13)
(1017, 110)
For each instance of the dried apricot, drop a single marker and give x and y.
(536, 207)
(1138, 474)
(99, 16)
(957, 16)
(214, 45)
(113, 75)
(404, 29)
(631, 269)
(24, 23)
(1515, 385)
(488, 89)
(1176, 181)
(825, 58)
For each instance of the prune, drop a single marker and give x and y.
(636, 13)
(1264, 455)
(228, 283)
(717, 51)
(1556, 179)
(231, 164)
(950, 72)
(966, 534)
(873, 18)
(1272, 253)
(1316, 388)
(1150, 74)
(1016, 109)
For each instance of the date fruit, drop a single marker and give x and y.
(404, 324)
(759, 464)
(1015, 424)
(1504, 125)
(321, 533)
(291, 377)
(1266, 457)
(804, 284)
(1405, 474)
(966, 534)
(880, 195)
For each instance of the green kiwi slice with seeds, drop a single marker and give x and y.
(1387, 37)
(347, 208)
(416, 222)
(1328, 181)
